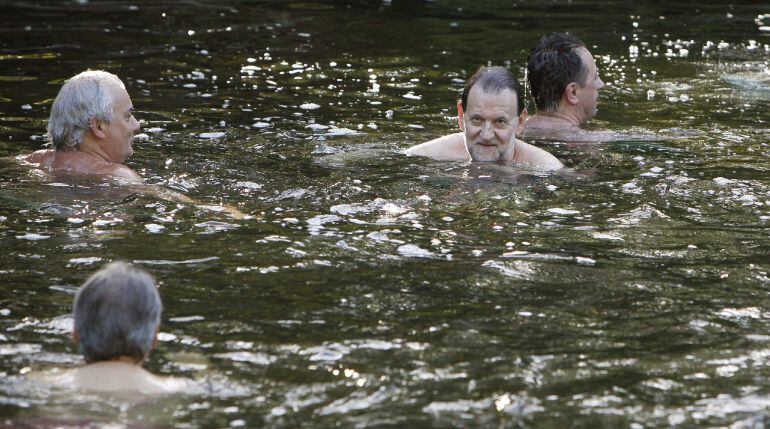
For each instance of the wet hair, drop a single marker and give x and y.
(553, 64)
(82, 98)
(117, 313)
(494, 80)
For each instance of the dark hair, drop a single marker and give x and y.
(494, 80)
(552, 65)
(117, 313)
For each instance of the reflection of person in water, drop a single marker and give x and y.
(565, 84)
(91, 128)
(490, 113)
(117, 317)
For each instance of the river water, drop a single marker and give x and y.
(369, 289)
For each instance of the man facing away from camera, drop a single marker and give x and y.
(117, 317)
(565, 84)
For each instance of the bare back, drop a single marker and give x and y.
(78, 162)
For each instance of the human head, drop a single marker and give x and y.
(117, 314)
(558, 60)
(83, 97)
(491, 113)
(494, 80)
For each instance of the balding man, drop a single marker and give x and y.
(491, 114)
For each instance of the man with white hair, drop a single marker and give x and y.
(91, 128)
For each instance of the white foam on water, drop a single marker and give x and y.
(248, 185)
(249, 357)
(215, 226)
(414, 251)
(33, 237)
(212, 135)
(316, 127)
(154, 228)
(561, 211)
(85, 261)
(721, 181)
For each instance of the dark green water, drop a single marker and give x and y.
(375, 290)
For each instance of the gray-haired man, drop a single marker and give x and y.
(91, 128)
(117, 317)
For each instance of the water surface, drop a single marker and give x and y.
(374, 290)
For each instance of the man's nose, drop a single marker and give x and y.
(487, 133)
(601, 83)
(136, 125)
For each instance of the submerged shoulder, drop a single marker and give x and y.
(446, 148)
(529, 154)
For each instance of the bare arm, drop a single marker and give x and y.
(447, 148)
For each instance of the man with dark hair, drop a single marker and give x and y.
(490, 113)
(117, 317)
(91, 128)
(565, 84)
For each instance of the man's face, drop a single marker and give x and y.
(489, 124)
(119, 133)
(588, 92)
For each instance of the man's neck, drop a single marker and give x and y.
(92, 148)
(554, 121)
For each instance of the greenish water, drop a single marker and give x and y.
(374, 290)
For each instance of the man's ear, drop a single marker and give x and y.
(522, 122)
(571, 94)
(96, 127)
(460, 115)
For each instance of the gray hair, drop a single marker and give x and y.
(82, 98)
(117, 313)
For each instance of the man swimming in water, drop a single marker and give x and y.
(565, 84)
(91, 128)
(490, 113)
(117, 317)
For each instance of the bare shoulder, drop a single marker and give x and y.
(119, 172)
(42, 157)
(447, 148)
(123, 173)
(533, 155)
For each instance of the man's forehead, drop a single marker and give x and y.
(479, 98)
